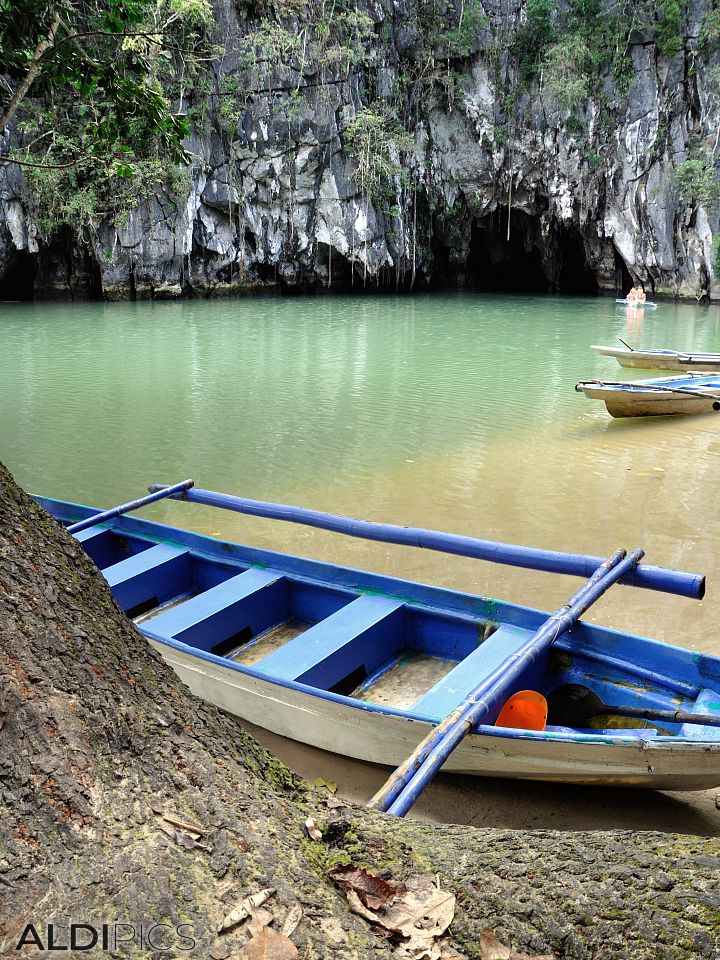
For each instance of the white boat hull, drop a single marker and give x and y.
(387, 739)
(655, 360)
(647, 403)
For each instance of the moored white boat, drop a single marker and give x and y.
(664, 396)
(364, 665)
(661, 359)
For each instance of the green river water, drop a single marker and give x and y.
(455, 412)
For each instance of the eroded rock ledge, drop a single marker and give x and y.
(97, 728)
(275, 199)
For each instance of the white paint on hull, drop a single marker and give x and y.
(649, 360)
(646, 403)
(355, 732)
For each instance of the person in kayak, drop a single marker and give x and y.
(636, 295)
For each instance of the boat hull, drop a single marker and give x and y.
(661, 360)
(387, 739)
(283, 642)
(621, 404)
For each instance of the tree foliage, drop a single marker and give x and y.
(104, 55)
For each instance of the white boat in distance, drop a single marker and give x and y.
(665, 396)
(662, 359)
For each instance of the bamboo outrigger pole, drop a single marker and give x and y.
(406, 784)
(176, 489)
(552, 561)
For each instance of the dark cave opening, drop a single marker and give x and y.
(496, 264)
(523, 259)
(575, 275)
(18, 280)
(623, 279)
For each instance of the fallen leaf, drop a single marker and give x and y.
(415, 910)
(312, 829)
(243, 910)
(374, 892)
(269, 945)
(492, 949)
(259, 919)
(184, 824)
(295, 915)
(157, 806)
(328, 784)
(3, 718)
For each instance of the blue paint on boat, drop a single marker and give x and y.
(647, 304)
(212, 598)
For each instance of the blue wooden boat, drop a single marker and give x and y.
(366, 665)
(664, 396)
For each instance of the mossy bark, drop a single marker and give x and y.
(97, 728)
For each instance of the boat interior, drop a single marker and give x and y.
(391, 645)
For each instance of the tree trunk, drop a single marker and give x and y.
(98, 731)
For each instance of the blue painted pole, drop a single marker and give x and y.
(173, 491)
(552, 561)
(494, 687)
(395, 783)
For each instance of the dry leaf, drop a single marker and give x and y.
(492, 949)
(416, 910)
(3, 718)
(312, 829)
(259, 919)
(295, 915)
(328, 784)
(269, 945)
(373, 891)
(157, 806)
(243, 910)
(183, 839)
(161, 822)
(184, 824)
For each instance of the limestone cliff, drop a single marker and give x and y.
(513, 145)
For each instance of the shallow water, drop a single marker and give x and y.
(455, 412)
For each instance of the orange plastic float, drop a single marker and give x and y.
(525, 710)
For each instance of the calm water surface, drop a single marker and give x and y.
(453, 412)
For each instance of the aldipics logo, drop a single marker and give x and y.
(116, 937)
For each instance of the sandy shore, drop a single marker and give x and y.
(512, 803)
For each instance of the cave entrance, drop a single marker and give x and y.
(498, 265)
(529, 261)
(18, 281)
(574, 276)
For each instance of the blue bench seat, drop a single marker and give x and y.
(447, 693)
(151, 574)
(365, 632)
(241, 606)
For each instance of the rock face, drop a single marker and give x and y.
(497, 181)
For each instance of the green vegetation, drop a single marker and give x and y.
(91, 99)
(668, 32)
(709, 36)
(534, 37)
(696, 178)
(376, 141)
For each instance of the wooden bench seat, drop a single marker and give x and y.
(241, 606)
(447, 693)
(357, 637)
